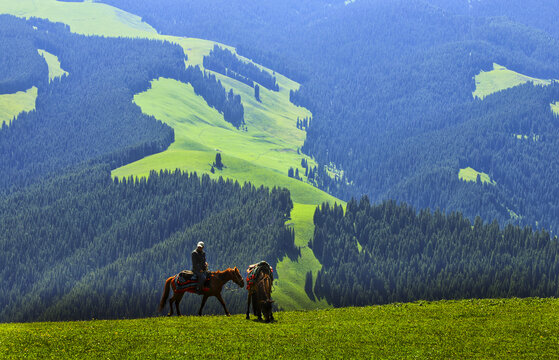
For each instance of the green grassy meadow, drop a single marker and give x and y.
(85, 18)
(501, 78)
(256, 155)
(11, 105)
(469, 174)
(466, 329)
(262, 154)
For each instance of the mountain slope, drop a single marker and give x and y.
(381, 77)
(271, 123)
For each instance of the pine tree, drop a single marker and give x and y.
(218, 163)
(308, 286)
(257, 93)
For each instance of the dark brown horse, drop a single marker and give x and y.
(261, 296)
(216, 282)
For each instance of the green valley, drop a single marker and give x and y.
(135, 138)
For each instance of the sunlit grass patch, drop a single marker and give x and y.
(85, 18)
(469, 174)
(501, 78)
(11, 105)
(55, 71)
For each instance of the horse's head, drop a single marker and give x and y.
(238, 278)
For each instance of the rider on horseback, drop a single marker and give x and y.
(199, 265)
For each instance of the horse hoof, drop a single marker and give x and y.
(248, 318)
(228, 315)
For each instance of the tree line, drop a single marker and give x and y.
(376, 254)
(84, 245)
(210, 88)
(22, 66)
(225, 62)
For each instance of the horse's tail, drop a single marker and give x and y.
(165, 294)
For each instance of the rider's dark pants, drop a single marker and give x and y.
(201, 280)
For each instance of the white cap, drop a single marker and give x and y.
(200, 244)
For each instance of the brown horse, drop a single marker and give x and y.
(216, 282)
(261, 295)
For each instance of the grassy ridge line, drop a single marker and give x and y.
(11, 105)
(55, 71)
(272, 121)
(83, 18)
(511, 328)
(501, 78)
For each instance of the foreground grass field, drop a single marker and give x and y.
(483, 329)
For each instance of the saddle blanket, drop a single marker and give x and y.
(186, 281)
(254, 271)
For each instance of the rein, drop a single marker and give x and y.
(271, 283)
(228, 287)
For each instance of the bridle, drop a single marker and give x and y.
(236, 276)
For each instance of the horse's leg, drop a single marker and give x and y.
(171, 300)
(256, 309)
(203, 303)
(218, 296)
(177, 303)
(248, 305)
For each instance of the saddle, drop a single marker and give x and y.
(254, 271)
(186, 281)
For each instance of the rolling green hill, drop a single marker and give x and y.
(488, 329)
(262, 154)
